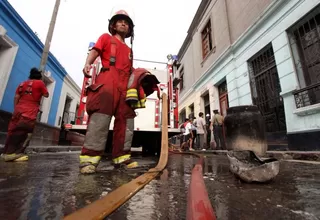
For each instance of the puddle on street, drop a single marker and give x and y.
(163, 198)
(50, 186)
(293, 194)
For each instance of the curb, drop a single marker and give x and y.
(199, 205)
(280, 155)
(53, 149)
(295, 155)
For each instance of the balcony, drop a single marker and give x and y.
(307, 96)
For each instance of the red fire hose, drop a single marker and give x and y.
(199, 206)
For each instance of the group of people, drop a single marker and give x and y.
(105, 99)
(110, 87)
(197, 132)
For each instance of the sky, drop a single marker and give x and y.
(160, 27)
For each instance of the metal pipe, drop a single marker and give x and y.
(149, 61)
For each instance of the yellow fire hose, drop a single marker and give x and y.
(109, 203)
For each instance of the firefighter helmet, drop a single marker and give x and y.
(121, 14)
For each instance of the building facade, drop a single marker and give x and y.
(261, 52)
(20, 50)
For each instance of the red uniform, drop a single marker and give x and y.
(122, 52)
(24, 116)
(29, 104)
(106, 98)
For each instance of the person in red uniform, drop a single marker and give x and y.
(106, 97)
(26, 107)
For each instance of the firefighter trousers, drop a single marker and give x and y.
(107, 98)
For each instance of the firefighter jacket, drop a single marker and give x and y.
(141, 84)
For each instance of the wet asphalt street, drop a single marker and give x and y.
(49, 187)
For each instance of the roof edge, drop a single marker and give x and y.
(25, 27)
(196, 19)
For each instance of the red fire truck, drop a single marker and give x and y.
(147, 133)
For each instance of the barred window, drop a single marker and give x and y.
(206, 37)
(305, 45)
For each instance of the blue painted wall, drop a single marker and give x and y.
(28, 56)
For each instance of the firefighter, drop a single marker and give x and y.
(217, 126)
(26, 107)
(107, 97)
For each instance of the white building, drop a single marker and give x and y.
(265, 53)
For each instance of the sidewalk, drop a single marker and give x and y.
(281, 155)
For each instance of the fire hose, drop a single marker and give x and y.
(199, 205)
(198, 201)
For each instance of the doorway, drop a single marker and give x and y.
(224, 104)
(206, 101)
(207, 111)
(182, 116)
(265, 87)
(66, 119)
(223, 98)
(191, 109)
(76, 114)
(67, 115)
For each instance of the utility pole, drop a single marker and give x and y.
(46, 48)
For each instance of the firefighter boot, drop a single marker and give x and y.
(15, 157)
(88, 169)
(88, 164)
(125, 162)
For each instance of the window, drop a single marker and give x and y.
(305, 45)
(206, 37)
(8, 51)
(181, 73)
(223, 88)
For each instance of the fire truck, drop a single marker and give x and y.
(147, 124)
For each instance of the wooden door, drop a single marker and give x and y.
(223, 107)
(224, 104)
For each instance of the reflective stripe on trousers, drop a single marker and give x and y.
(86, 160)
(97, 133)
